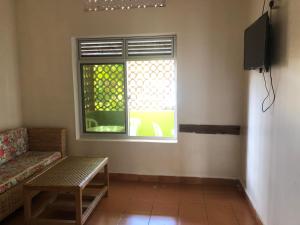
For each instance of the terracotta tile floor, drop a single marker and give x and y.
(132, 203)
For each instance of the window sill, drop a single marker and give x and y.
(166, 141)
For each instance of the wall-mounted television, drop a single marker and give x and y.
(257, 41)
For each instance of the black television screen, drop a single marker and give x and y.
(257, 44)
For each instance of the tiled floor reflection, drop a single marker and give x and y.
(131, 203)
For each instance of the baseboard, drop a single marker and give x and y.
(173, 179)
(253, 210)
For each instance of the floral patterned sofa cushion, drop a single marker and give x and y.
(13, 143)
(23, 166)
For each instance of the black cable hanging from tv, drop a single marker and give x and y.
(263, 108)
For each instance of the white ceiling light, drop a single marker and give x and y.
(105, 5)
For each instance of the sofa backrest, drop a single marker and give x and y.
(13, 143)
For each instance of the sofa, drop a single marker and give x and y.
(25, 153)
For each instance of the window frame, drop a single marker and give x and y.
(78, 62)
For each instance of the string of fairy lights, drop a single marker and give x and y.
(111, 5)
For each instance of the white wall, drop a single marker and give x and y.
(10, 107)
(210, 40)
(272, 168)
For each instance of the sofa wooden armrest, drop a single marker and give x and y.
(47, 139)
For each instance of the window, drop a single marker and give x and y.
(127, 88)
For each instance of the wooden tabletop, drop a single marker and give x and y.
(71, 172)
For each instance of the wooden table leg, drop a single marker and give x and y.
(27, 206)
(106, 177)
(78, 205)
